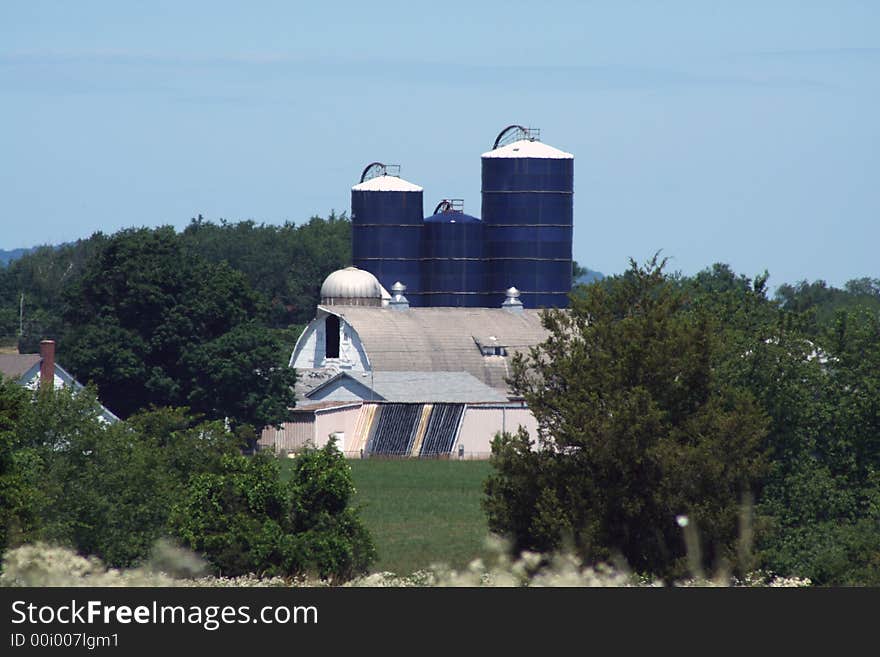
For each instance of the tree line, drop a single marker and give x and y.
(203, 318)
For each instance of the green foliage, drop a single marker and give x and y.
(156, 325)
(112, 491)
(242, 374)
(103, 489)
(90, 485)
(128, 310)
(821, 303)
(636, 429)
(820, 506)
(40, 276)
(13, 492)
(814, 372)
(286, 264)
(246, 519)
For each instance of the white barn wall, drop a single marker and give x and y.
(310, 349)
(337, 420)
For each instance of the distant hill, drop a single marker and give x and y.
(8, 256)
(589, 277)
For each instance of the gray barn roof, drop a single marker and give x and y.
(410, 387)
(443, 339)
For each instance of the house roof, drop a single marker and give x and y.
(25, 369)
(443, 339)
(419, 387)
(17, 365)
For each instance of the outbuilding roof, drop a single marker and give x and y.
(417, 387)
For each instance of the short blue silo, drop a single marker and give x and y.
(528, 190)
(452, 258)
(386, 224)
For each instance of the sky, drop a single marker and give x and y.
(744, 132)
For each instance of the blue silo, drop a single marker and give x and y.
(528, 190)
(386, 225)
(452, 258)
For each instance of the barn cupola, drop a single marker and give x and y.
(351, 287)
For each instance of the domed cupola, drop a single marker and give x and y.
(351, 287)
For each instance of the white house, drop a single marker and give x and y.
(34, 370)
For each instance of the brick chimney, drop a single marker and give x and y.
(47, 364)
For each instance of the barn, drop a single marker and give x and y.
(387, 379)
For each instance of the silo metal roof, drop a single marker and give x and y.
(386, 184)
(529, 148)
(452, 217)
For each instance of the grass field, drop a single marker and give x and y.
(421, 512)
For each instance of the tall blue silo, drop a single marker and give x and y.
(528, 190)
(452, 258)
(386, 226)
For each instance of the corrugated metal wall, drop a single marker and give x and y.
(452, 261)
(402, 430)
(386, 229)
(528, 217)
(292, 436)
(442, 429)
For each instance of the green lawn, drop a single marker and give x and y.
(421, 512)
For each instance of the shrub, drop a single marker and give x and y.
(245, 519)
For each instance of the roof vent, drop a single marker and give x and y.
(512, 302)
(398, 301)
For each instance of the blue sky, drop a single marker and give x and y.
(737, 132)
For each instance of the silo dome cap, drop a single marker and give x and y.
(351, 283)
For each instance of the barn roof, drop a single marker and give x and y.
(443, 339)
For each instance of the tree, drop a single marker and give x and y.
(13, 491)
(70, 478)
(154, 324)
(810, 358)
(286, 264)
(245, 519)
(635, 429)
(239, 374)
(821, 506)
